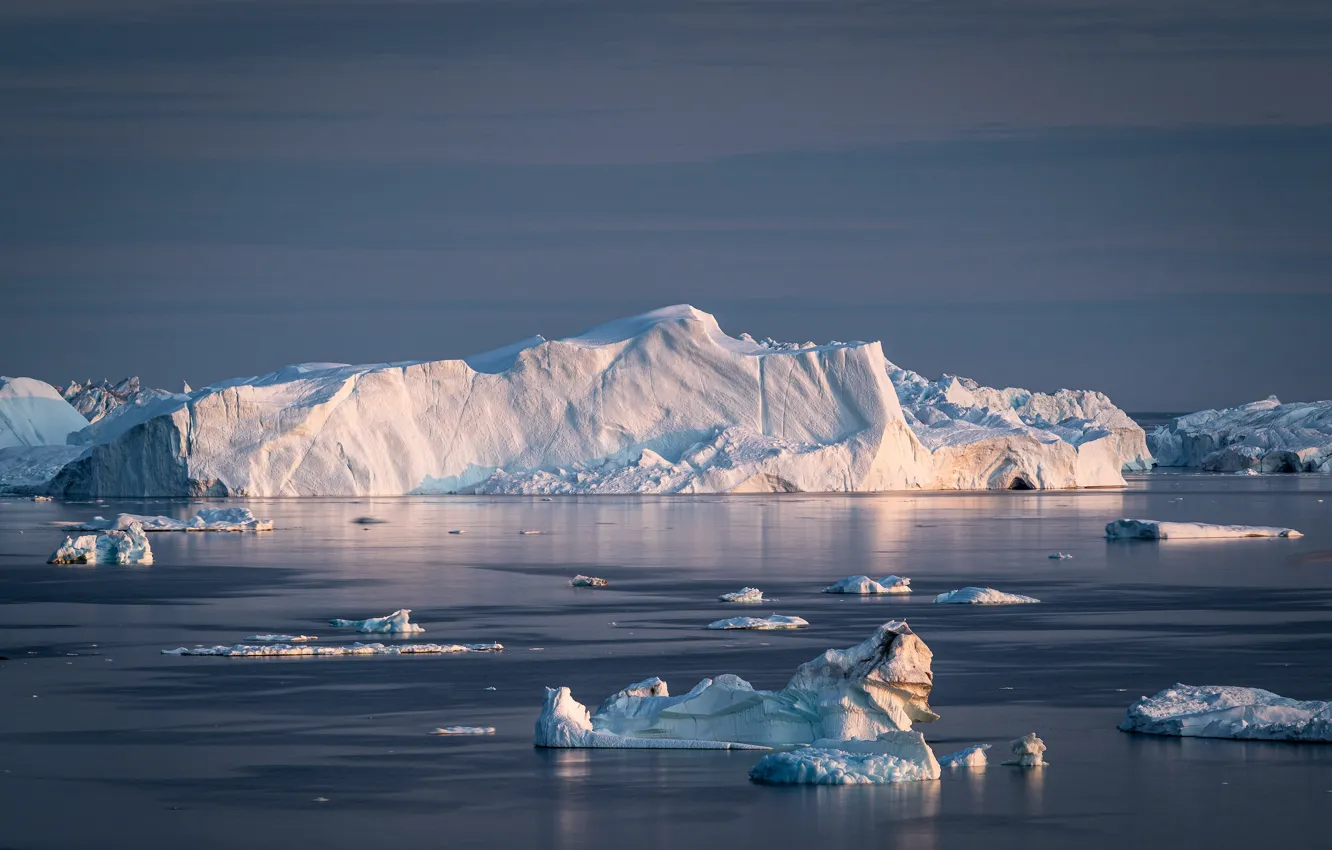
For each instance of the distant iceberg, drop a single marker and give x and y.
(1150, 529)
(399, 622)
(745, 596)
(267, 650)
(893, 757)
(1262, 436)
(867, 585)
(207, 519)
(127, 545)
(983, 596)
(1220, 711)
(775, 621)
(973, 756)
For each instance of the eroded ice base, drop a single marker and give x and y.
(1223, 711)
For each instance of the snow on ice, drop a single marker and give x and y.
(983, 596)
(1221, 711)
(399, 622)
(1150, 529)
(773, 622)
(867, 585)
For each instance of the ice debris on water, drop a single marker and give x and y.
(282, 638)
(1150, 529)
(206, 519)
(776, 621)
(1060, 556)
(399, 622)
(285, 649)
(973, 756)
(464, 730)
(745, 595)
(581, 580)
(984, 596)
(892, 757)
(867, 585)
(123, 546)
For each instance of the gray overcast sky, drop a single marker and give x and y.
(1130, 196)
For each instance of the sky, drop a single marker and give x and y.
(1128, 196)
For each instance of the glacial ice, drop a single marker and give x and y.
(658, 403)
(127, 545)
(273, 650)
(983, 596)
(775, 621)
(32, 413)
(96, 401)
(464, 730)
(744, 596)
(867, 585)
(565, 723)
(1150, 529)
(282, 638)
(1060, 556)
(397, 623)
(1222, 711)
(587, 581)
(880, 685)
(1028, 751)
(893, 757)
(973, 756)
(1262, 436)
(207, 519)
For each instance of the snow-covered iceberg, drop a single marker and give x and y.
(207, 519)
(744, 596)
(32, 413)
(770, 623)
(664, 402)
(1150, 529)
(397, 623)
(893, 757)
(127, 545)
(983, 596)
(1221, 711)
(867, 585)
(880, 685)
(274, 650)
(1262, 436)
(973, 756)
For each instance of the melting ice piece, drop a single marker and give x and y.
(127, 546)
(1221, 711)
(1060, 556)
(776, 621)
(241, 650)
(207, 519)
(587, 581)
(1150, 529)
(746, 595)
(529, 531)
(867, 585)
(892, 757)
(880, 685)
(42, 499)
(369, 520)
(282, 638)
(973, 756)
(1029, 751)
(399, 622)
(458, 531)
(983, 596)
(464, 730)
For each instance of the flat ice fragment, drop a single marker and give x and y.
(399, 622)
(529, 531)
(42, 499)
(282, 638)
(207, 519)
(1150, 529)
(1060, 556)
(865, 585)
(1028, 751)
(268, 650)
(776, 621)
(464, 730)
(126, 546)
(458, 531)
(1224, 711)
(745, 595)
(369, 520)
(893, 757)
(983, 596)
(973, 756)
(581, 580)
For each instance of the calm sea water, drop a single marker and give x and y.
(104, 742)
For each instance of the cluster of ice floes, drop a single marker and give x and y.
(744, 596)
(973, 756)
(770, 623)
(983, 596)
(588, 581)
(659, 403)
(892, 757)
(207, 519)
(1220, 711)
(1263, 436)
(397, 623)
(1150, 529)
(867, 585)
(273, 650)
(124, 545)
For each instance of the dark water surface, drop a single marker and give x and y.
(104, 742)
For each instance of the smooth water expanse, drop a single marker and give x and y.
(104, 742)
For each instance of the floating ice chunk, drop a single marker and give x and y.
(1221, 711)
(566, 723)
(880, 685)
(745, 595)
(127, 546)
(529, 531)
(399, 622)
(973, 756)
(369, 520)
(464, 730)
(42, 499)
(458, 531)
(893, 757)
(282, 638)
(983, 596)
(242, 650)
(1150, 529)
(867, 585)
(587, 581)
(1060, 556)
(1028, 751)
(207, 519)
(1245, 472)
(776, 621)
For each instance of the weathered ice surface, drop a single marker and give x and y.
(1262, 436)
(1221, 711)
(983, 596)
(1150, 529)
(125, 545)
(32, 413)
(893, 757)
(207, 519)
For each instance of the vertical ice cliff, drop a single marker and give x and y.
(1262, 436)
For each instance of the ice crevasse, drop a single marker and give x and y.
(664, 402)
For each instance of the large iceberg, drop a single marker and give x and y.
(1220, 711)
(125, 545)
(1150, 529)
(893, 757)
(1263, 436)
(664, 402)
(32, 413)
(207, 519)
(881, 685)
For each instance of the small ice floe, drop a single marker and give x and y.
(397, 623)
(42, 499)
(127, 546)
(458, 531)
(865, 585)
(282, 638)
(745, 595)
(893, 757)
(547, 499)
(530, 531)
(973, 756)
(581, 580)
(207, 519)
(1028, 751)
(1222, 711)
(270, 650)
(490, 688)
(369, 520)
(1150, 529)
(464, 730)
(1060, 556)
(983, 596)
(1245, 472)
(776, 621)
